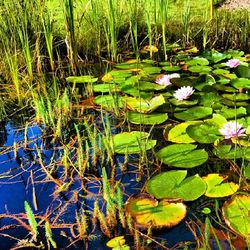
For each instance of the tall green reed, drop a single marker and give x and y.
(112, 27)
(70, 39)
(163, 12)
(47, 23)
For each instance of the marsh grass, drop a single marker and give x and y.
(83, 29)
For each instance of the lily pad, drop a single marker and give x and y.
(178, 133)
(217, 186)
(247, 171)
(106, 88)
(81, 79)
(203, 133)
(147, 119)
(194, 113)
(116, 242)
(182, 155)
(173, 185)
(171, 68)
(241, 83)
(184, 103)
(228, 152)
(131, 142)
(236, 214)
(108, 101)
(143, 106)
(215, 56)
(148, 212)
(231, 113)
(198, 61)
(116, 76)
(221, 71)
(243, 71)
(200, 69)
(237, 97)
(149, 86)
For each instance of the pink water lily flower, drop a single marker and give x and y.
(232, 130)
(165, 79)
(183, 93)
(233, 63)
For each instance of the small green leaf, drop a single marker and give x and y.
(31, 219)
(48, 234)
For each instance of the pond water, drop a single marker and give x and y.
(21, 176)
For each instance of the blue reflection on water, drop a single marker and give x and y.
(16, 187)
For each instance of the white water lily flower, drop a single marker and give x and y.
(232, 130)
(233, 63)
(165, 79)
(183, 93)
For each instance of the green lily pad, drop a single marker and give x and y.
(173, 185)
(178, 133)
(241, 83)
(221, 71)
(203, 133)
(194, 113)
(204, 81)
(147, 119)
(148, 212)
(106, 88)
(182, 155)
(236, 214)
(232, 152)
(150, 70)
(184, 103)
(200, 69)
(81, 79)
(198, 61)
(108, 101)
(243, 71)
(131, 142)
(171, 68)
(215, 56)
(143, 106)
(133, 91)
(149, 86)
(116, 76)
(224, 88)
(209, 99)
(217, 186)
(217, 120)
(247, 171)
(231, 113)
(236, 97)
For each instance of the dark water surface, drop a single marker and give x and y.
(16, 186)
